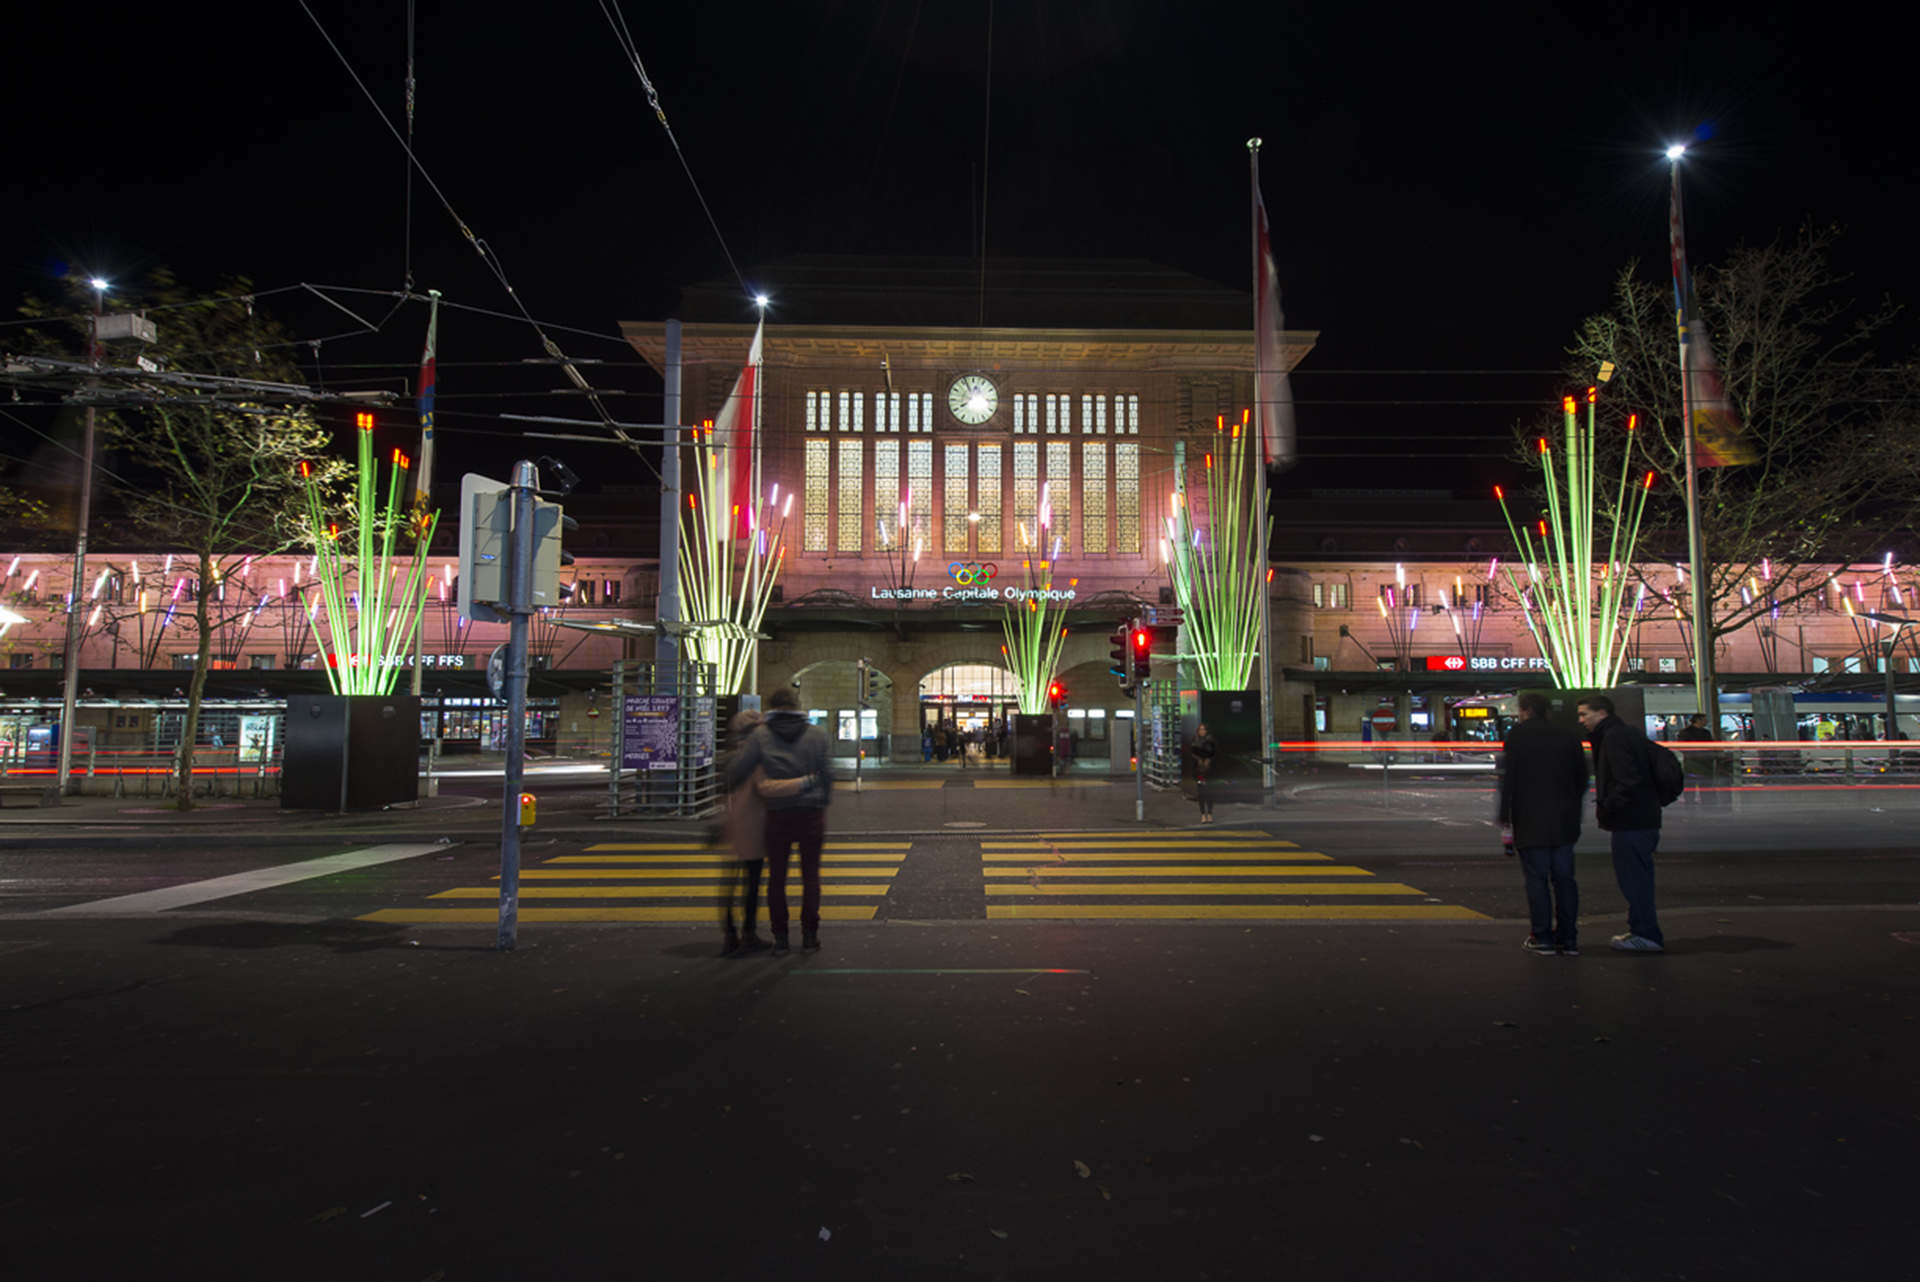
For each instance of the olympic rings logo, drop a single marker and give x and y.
(973, 573)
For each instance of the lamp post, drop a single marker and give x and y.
(70, 686)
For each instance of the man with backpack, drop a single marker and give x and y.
(1627, 805)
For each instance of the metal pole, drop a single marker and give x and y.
(666, 646)
(1256, 444)
(1706, 689)
(519, 612)
(1139, 753)
(70, 661)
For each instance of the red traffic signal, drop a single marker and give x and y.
(1142, 653)
(1056, 695)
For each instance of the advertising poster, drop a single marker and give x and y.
(256, 737)
(703, 731)
(650, 732)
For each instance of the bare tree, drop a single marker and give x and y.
(1838, 464)
(211, 477)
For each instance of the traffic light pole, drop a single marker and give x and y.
(519, 609)
(1139, 759)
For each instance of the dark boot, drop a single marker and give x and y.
(810, 941)
(779, 945)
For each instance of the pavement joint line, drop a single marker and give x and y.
(241, 883)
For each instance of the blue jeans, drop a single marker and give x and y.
(1550, 885)
(1633, 869)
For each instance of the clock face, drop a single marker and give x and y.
(973, 399)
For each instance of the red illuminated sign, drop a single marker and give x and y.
(1446, 663)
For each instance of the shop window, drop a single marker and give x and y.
(610, 591)
(260, 662)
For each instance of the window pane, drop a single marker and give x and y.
(1093, 494)
(986, 533)
(1126, 498)
(920, 489)
(815, 534)
(852, 519)
(955, 490)
(886, 495)
(1059, 499)
(1026, 491)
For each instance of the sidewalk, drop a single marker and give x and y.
(916, 797)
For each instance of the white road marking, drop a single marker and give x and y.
(240, 883)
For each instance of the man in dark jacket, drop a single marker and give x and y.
(1542, 784)
(1627, 807)
(789, 748)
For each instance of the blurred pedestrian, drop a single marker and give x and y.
(797, 789)
(743, 834)
(1543, 781)
(1203, 749)
(1628, 809)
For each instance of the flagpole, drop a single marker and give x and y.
(1706, 689)
(423, 483)
(1258, 445)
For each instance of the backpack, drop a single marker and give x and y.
(1669, 777)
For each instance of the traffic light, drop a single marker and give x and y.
(1056, 695)
(1142, 652)
(1122, 664)
(486, 549)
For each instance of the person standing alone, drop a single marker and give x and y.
(788, 748)
(1204, 749)
(1542, 783)
(1628, 809)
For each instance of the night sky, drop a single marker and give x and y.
(1451, 193)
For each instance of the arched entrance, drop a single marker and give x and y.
(969, 699)
(830, 696)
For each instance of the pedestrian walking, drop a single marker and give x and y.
(1699, 762)
(1628, 809)
(797, 789)
(1543, 781)
(1203, 749)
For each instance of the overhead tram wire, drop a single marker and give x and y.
(618, 21)
(480, 246)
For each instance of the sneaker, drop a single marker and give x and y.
(1569, 950)
(810, 941)
(779, 945)
(1631, 943)
(1541, 947)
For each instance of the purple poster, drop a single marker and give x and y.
(650, 732)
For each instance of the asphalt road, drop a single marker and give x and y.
(281, 1083)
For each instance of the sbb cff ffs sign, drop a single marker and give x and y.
(1486, 663)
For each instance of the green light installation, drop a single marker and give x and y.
(1574, 604)
(370, 623)
(729, 562)
(1218, 570)
(1035, 622)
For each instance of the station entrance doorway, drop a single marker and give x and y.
(969, 699)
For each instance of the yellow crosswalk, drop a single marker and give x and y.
(1066, 876)
(605, 879)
